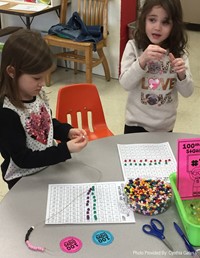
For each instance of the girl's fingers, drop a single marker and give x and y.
(171, 57)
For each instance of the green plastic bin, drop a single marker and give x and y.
(1, 46)
(192, 229)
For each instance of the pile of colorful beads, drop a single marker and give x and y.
(148, 196)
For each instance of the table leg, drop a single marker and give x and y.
(28, 23)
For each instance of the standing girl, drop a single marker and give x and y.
(27, 131)
(155, 68)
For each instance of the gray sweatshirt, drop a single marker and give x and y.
(152, 93)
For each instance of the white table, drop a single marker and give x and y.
(25, 205)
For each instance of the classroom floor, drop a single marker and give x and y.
(113, 97)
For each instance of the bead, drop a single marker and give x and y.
(34, 248)
(148, 196)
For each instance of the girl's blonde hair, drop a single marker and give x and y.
(27, 52)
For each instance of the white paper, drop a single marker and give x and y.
(3, 3)
(71, 204)
(152, 161)
(29, 7)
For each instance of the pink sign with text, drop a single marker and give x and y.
(188, 171)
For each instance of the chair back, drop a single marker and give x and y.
(80, 106)
(63, 11)
(92, 12)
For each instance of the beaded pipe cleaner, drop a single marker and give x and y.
(39, 248)
(30, 230)
(28, 243)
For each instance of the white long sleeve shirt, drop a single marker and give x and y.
(152, 93)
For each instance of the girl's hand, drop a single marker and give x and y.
(178, 65)
(75, 132)
(152, 52)
(77, 144)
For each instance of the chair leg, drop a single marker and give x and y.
(75, 63)
(48, 80)
(75, 67)
(104, 63)
(88, 61)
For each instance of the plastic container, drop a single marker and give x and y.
(148, 196)
(192, 229)
(1, 46)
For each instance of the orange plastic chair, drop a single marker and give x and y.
(80, 106)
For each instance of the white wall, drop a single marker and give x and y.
(191, 11)
(45, 21)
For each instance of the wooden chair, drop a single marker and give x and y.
(92, 12)
(5, 32)
(80, 106)
(8, 30)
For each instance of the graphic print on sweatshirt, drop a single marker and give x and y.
(158, 84)
(36, 120)
(38, 125)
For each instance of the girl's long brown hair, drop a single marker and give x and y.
(177, 40)
(28, 53)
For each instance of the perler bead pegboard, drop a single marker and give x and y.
(148, 196)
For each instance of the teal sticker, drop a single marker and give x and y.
(102, 237)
